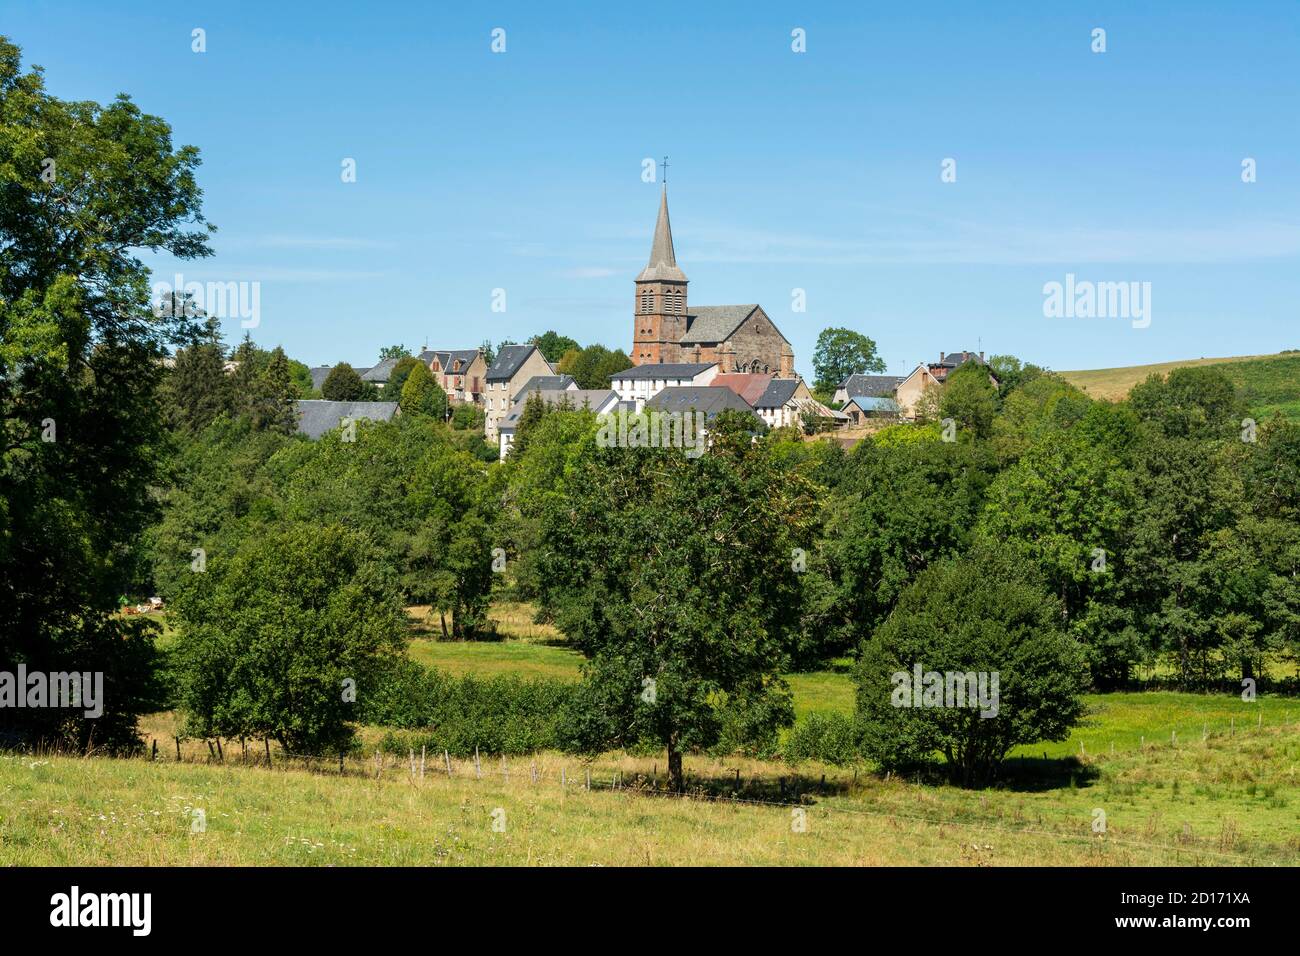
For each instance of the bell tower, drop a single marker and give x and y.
(659, 311)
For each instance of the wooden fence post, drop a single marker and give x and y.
(421, 761)
(267, 741)
(447, 757)
(154, 756)
(220, 756)
(478, 770)
(178, 750)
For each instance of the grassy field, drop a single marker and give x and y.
(1268, 383)
(1221, 800)
(1182, 779)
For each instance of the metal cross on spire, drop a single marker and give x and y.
(664, 164)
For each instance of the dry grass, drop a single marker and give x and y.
(1113, 384)
(1222, 800)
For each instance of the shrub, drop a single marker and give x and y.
(830, 738)
(498, 715)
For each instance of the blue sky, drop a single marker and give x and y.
(817, 171)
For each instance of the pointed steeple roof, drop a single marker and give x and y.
(663, 260)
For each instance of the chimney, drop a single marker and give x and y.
(981, 356)
(941, 356)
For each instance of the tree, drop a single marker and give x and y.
(343, 384)
(197, 390)
(970, 399)
(280, 641)
(1064, 510)
(841, 353)
(274, 394)
(594, 366)
(489, 353)
(552, 345)
(1012, 374)
(1197, 402)
(394, 352)
(397, 378)
(963, 622)
(82, 436)
(421, 395)
(897, 509)
(673, 576)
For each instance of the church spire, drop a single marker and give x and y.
(663, 259)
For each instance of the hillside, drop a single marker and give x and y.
(1267, 382)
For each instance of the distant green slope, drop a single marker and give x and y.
(1268, 383)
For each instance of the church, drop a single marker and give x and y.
(666, 329)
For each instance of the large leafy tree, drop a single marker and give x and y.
(343, 384)
(674, 577)
(897, 509)
(1198, 402)
(970, 399)
(593, 366)
(270, 639)
(1064, 509)
(968, 616)
(841, 353)
(83, 188)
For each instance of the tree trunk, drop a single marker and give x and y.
(676, 781)
(442, 616)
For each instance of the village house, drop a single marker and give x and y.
(505, 378)
(872, 385)
(783, 401)
(640, 383)
(863, 408)
(929, 375)
(460, 373)
(777, 401)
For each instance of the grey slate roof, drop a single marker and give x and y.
(709, 399)
(713, 323)
(778, 392)
(316, 416)
(871, 384)
(663, 258)
(545, 383)
(595, 398)
(664, 370)
(448, 357)
(955, 359)
(379, 373)
(319, 374)
(507, 362)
